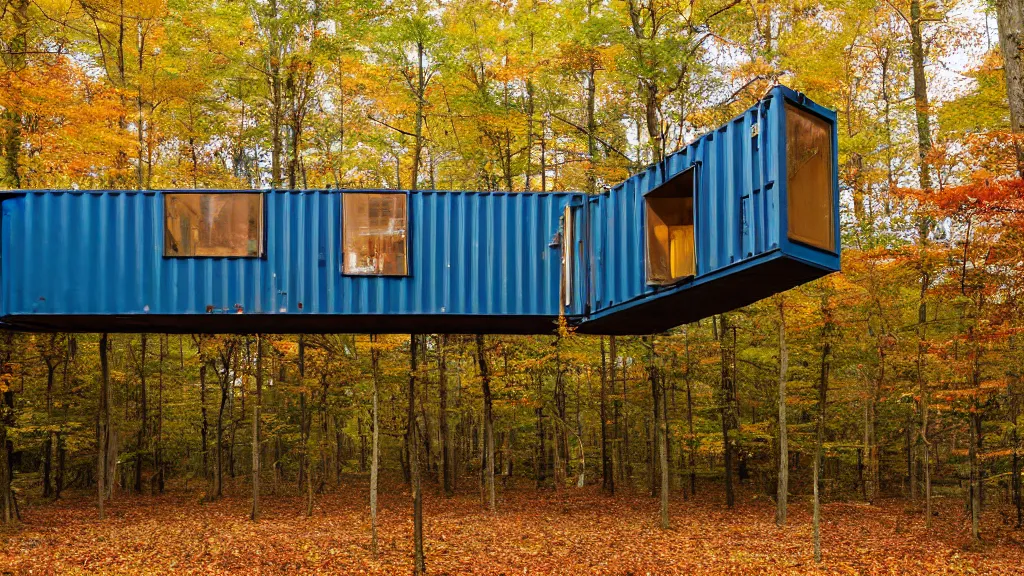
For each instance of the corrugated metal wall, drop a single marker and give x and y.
(736, 205)
(477, 254)
(102, 253)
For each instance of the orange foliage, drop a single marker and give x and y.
(567, 532)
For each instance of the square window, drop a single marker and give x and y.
(226, 225)
(670, 245)
(809, 192)
(374, 230)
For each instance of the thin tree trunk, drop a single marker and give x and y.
(627, 462)
(6, 446)
(689, 420)
(274, 66)
(257, 407)
(488, 424)
(591, 128)
(925, 443)
(661, 427)
(783, 487)
(204, 425)
(975, 481)
(417, 147)
(922, 108)
(11, 117)
(1010, 18)
(442, 379)
(104, 425)
(826, 351)
(143, 416)
(375, 450)
(48, 444)
(419, 566)
(607, 475)
(159, 456)
(726, 392)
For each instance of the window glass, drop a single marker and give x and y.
(670, 245)
(374, 231)
(217, 225)
(567, 226)
(809, 179)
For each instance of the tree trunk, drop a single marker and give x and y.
(48, 444)
(442, 379)
(140, 447)
(726, 394)
(204, 425)
(689, 421)
(922, 109)
(783, 487)
(1015, 481)
(607, 475)
(11, 117)
(1010, 16)
(417, 146)
(375, 450)
(591, 128)
(975, 483)
(158, 454)
(6, 422)
(826, 351)
(652, 111)
(276, 112)
(419, 566)
(488, 460)
(542, 452)
(104, 425)
(661, 427)
(925, 443)
(218, 486)
(257, 407)
(654, 438)
(627, 462)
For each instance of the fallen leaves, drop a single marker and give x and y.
(534, 532)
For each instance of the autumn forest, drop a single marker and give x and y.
(864, 423)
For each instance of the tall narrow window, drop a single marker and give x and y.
(374, 231)
(809, 179)
(214, 225)
(670, 246)
(567, 251)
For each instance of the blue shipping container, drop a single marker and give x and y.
(711, 228)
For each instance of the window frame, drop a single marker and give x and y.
(694, 173)
(832, 247)
(408, 232)
(261, 231)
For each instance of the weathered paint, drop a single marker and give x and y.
(478, 261)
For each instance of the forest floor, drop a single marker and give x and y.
(534, 532)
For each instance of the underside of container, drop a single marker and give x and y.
(688, 302)
(230, 323)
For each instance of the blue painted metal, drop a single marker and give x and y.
(743, 252)
(478, 261)
(101, 253)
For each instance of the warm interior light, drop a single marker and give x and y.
(375, 233)
(670, 244)
(213, 225)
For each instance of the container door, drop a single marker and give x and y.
(574, 285)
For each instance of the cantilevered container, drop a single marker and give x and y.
(748, 241)
(739, 214)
